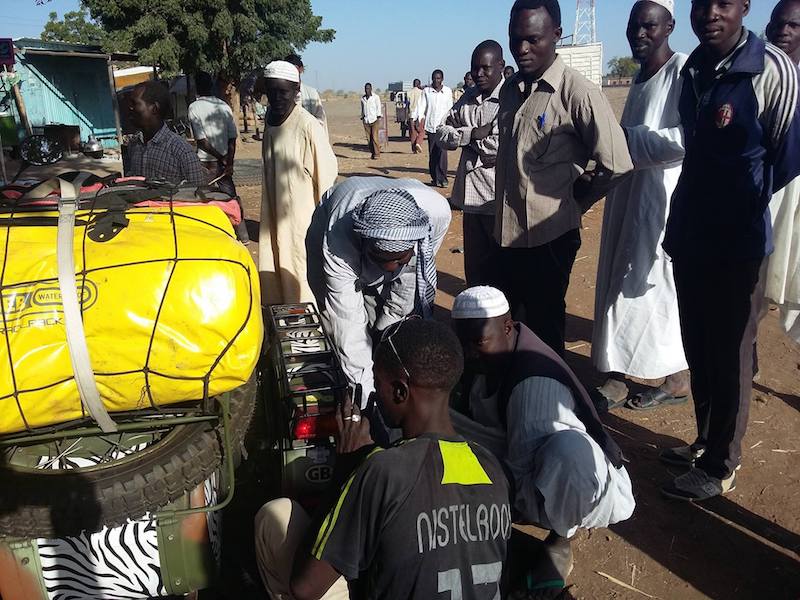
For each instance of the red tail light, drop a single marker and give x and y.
(315, 426)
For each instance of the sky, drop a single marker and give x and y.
(381, 41)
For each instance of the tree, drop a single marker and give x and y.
(225, 37)
(622, 66)
(74, 29)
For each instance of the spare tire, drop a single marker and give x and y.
(41, 503)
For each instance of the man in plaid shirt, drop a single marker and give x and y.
(160, 153)
(472, 126)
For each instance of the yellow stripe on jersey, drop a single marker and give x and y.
(461, 466)
(330, 520)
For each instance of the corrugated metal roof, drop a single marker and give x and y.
(35, 44)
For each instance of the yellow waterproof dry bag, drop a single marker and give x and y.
(170, 308)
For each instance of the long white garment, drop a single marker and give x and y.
(354, 296)
(636, 328)
(783, 269)
(562, 479)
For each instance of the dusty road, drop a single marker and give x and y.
(744, 545)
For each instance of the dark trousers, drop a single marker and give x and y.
(720, 305)
(481, 250)
(214, 170)
(373, 137)
(437, 161)
(535, 281)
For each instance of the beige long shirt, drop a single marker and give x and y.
(546, 143)
(299, 167)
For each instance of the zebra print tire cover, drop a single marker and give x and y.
(54, 504)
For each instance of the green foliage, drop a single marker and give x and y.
(622, 66)
(76, 28)
(226, 37)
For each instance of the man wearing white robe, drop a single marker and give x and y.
(783, 271)
(637, 327)
(299, 167)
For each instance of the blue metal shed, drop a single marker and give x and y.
(68, 84)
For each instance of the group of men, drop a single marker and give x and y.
(483, 424)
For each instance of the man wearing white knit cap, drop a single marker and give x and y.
(299, 167)
(637, 331)
(371, 262)
(522, 402)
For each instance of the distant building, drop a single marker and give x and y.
(68, 91)
(617, 81)
(587, 59)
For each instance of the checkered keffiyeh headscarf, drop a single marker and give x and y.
(394, 222)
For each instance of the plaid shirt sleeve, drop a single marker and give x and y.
(191, 168)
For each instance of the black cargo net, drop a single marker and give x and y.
(23, 214)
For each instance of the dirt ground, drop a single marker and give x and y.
(744, 545)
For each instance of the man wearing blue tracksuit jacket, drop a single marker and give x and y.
(739, 112)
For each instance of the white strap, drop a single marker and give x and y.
(73, 320)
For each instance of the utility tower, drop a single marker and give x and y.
(584, 23)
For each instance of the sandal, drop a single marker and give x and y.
(603, 403)
(653, 398)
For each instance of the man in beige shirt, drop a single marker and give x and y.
(561, 149)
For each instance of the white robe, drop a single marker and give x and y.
(783, 269)
(637, 328)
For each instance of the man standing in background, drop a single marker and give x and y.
(472, 126)
(637, 330)
(783, 270)
(299, 167)
(553, 121)
(215, 132)
(436, 102)
(309, 96)
(371, 114)
(741, 125)
(416, 125)
(508, 72)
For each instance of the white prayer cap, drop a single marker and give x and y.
(280, 69)
(668, 4)
(480, 302)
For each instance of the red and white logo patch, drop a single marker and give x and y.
(724, 115)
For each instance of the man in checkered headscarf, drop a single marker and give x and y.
(371, 254)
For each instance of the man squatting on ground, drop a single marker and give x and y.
(472, 126)
(522, 402)
(426, 518)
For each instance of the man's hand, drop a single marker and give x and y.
(353, 427)
(227, 166)
(482, 132)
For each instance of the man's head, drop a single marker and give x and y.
(390, 225)
(204, 83)
(718, 23)
(487, 65)
(282, 83)
(508, 72)
(482, 320)
(150, 105)
(416, 366)
(437, 79)
(783, 28)
(533, 31)
(368, 89)
(649, 27)
(417, 83)
(469, 80)
(296, 61)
